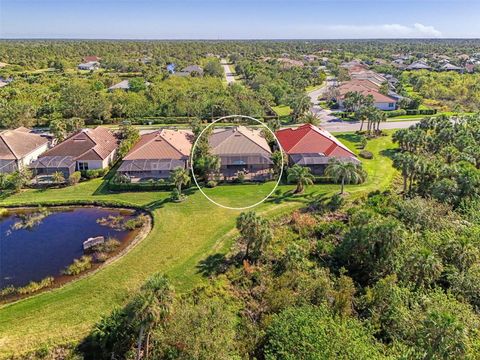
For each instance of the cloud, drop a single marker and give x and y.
(384, 31)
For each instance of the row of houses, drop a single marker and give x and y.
(156, 154)
(368, 83)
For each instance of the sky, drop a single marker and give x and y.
(237, 19)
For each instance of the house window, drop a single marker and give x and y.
(83, 166)
(391, 105)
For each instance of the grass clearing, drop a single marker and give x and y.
(183, 238)
(282, 110)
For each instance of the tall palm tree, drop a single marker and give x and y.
(180, 177)
(346, 172)
(301, 175)
(151, 307)
(405, 162)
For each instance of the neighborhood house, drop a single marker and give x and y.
(313, 147)
(91, 65)
(88, 149)
(156, 155)
(19, 147)
(242, 150)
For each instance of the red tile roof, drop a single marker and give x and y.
(309, 139)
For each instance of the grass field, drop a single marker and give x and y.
(183, 237)
(282, 110)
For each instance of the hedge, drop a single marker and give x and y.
(146, 186)
(421, 112)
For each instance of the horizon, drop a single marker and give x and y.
(239, 20)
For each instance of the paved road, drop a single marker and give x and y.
(341, 126)
(229, 76)
(329, 121)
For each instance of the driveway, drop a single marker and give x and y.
(229, 76)
(329, 121)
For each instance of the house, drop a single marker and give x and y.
(19, 147)
(451, 67)
(242, 150)
(88, 149)
(156, 154)
(313, 147)
(366, 88)
(122, 85)
(87, 59)
(287, 63)
(418, 65)
(5, 81)
(192, 70)
(91, 65)
(310, 58)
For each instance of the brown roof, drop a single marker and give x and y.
(16, 144)
(91, 58)
(364, 87)
(238, 140)
(88, 144)
(162, 144)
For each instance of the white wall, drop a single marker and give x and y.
(27, 160)
(384, 106)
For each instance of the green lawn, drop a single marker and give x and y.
(183, 236)
(282, 110)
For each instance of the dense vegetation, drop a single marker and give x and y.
(446, 90)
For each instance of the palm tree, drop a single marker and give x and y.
(151, 307)
(311, 118)
(301, 175)
(405, 162)
(278, 159)
(255, 232)
(179, 177)
(58, 178)
(346, 172)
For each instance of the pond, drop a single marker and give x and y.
(36, 244)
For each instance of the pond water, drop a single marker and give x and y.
(50, 241)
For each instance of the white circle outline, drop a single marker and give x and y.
(195, 179)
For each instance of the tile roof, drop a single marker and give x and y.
(88, 144)
(16, 144)
(364, 87)
(162, 144)
(309, 139)
(124, 85)
(237, 141)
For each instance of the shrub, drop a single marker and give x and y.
(394, 113)
(315, 333)
(35, 286)
(9, 290)
(109, 246)
(336, 202)
(79, 265)
(94, 173)
(120, 179)
(74, 178)
(240, 177)
(366, 154)
(136, 223)
(211, 184)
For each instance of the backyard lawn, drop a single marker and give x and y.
(183, 237)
